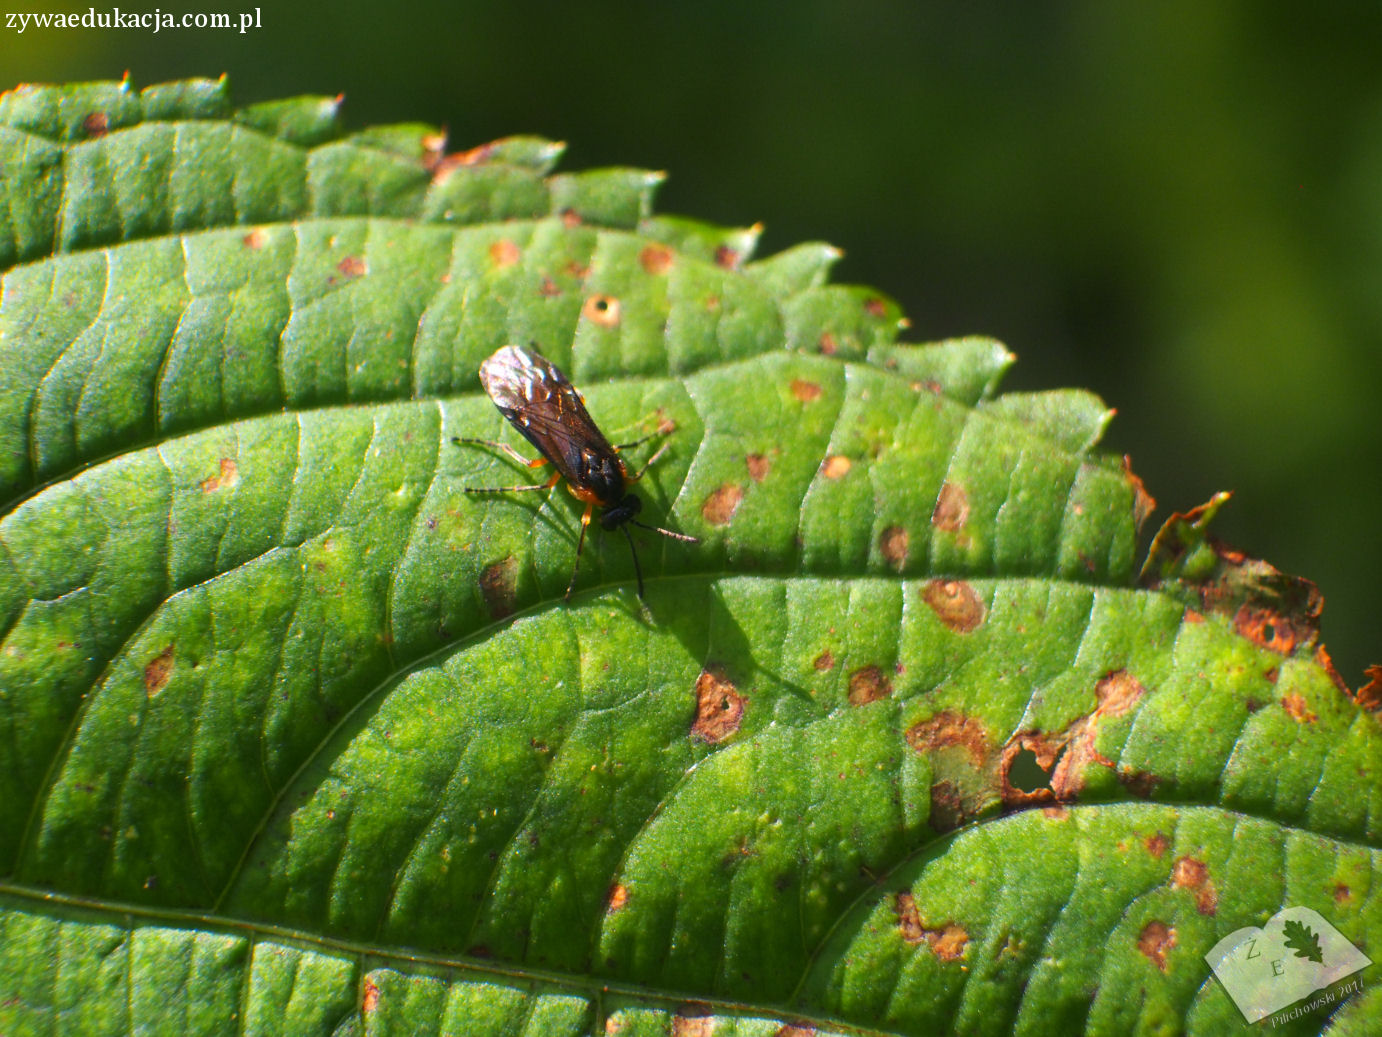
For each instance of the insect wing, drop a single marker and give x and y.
(544, 406)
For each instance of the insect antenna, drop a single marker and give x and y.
(637, 569)
(665, 532)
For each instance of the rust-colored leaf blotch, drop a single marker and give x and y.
(227, 476)
(723, 502)
(602, 310)
(656, 259)
(806, 392)
(1193, 874)
(499, 587)
(895, 543)
(836, 466)
(947, 942)
(868, 684)
(1155, 940)
(504, 253)
(955, 603)
(158, 671)
(952, 508)
(759, 465)
(719, 707)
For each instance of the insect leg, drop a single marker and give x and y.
(649, 463)
(556, 478)
(580, 546)
(536, 462)
(637, 569)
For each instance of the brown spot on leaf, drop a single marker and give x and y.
(836, 466)
(499, 587)
(952, 508)
(828, 344)
(947, 942)
(602, 310)
(723, 502)
(1155, 940)
(570, 218)
(950, 728)
(369, 995)
(1297, 708)
(795, 1031)
(1141, 784)
(719, 707)
(97, 124)
(548, 289)
(1192, 874)
(1055, 813)
(1267, 628)
(1117, 693)
(1044, 751)
(656, 259)
(255, 239)
(894, 543)
(727, 257)
(955, 603)
(504, 253)
(618, 897)
(158, 671)
(868, 684)
(351, 266)
(805, 391)
(1342, 894)
(758, 466)
(824, 661)
(948, 810)
(693, 1021)
(226, 477)
(875, 307)
(1157, 844)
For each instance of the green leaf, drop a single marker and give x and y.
(301, 737)
(1302, 940)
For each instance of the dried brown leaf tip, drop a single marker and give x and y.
(948, 942)
(955, 603)
(719, 706)
(1143, 503)
(868, 684)
(1155, 940)
(369, 995)
(723, 502)
(1274, 610)
(1369, 696)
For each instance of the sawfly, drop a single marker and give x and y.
(545, 407)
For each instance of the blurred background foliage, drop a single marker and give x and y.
(1178, 205)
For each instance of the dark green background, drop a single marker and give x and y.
(1178, 205)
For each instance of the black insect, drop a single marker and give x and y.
(542, 404)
